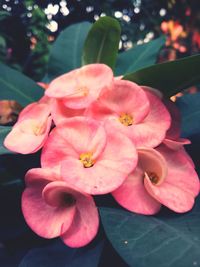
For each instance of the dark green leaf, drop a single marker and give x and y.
(189, 106)
(4, 130)
(16, 86)
(169, 77)
(101, 45)
(66, 51)
(147, 241)
(138, 57)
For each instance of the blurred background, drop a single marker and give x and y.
(27, 27)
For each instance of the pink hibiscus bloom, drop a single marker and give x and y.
(162, 177)
(138, 114)
(80, 87)
(30, 132)
(92, 158)
(51, 208)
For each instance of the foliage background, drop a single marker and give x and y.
(27, 27)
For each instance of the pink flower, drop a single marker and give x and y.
(163, 176)
(92, 158)
(138, 114)
(51, 208)
(80, 87)
(31, 130)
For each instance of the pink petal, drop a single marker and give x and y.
(60, 112)
(180, 170)
(151, 160)
(153, 90)
(43, 85)
(171, 196)
(76, 136)
(133, 196)
(35, 174)
(85, 224)
(124, 98)
(45, 220)
(151, 131)
(110, 169)
(81, 87)
(181, 184)
(22, 138)
(176, 144)
(37, 111)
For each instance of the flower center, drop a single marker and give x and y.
(39, 129)
(83, 90)
(68, 200)
(126, 119)
(86, 159)
(153, 177)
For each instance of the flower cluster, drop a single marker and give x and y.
(99, 135)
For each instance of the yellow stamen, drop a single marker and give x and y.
(86, 159)
(153, 177)
(126, 119)
(39, 129)
(83, 90)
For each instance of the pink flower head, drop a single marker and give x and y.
(31, 130)
(51, 208)
(80, 87)
(138, 114)
(92, 158)
(163, 176)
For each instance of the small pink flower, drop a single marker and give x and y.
(92, 158)
(80, 87)
(30, 132)
(163, 176)
(51, 208)
(138, 114)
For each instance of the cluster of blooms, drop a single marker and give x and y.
(107, 135)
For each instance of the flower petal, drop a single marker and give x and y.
(22, 138)
(36, 174)
(43, 219)
(60, 112)
(110, 169)
(85, 224)
(133, 196)
(171, 196)
(82, 86)
(151, 131)
(76, 136)
(181, 172)
(124, 98)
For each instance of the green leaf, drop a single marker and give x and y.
(101, 45)
(66, 51)
(4, 130)
(189, 106)
(139, 57)
(147, 241)
(16, 86)
(169, 77)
